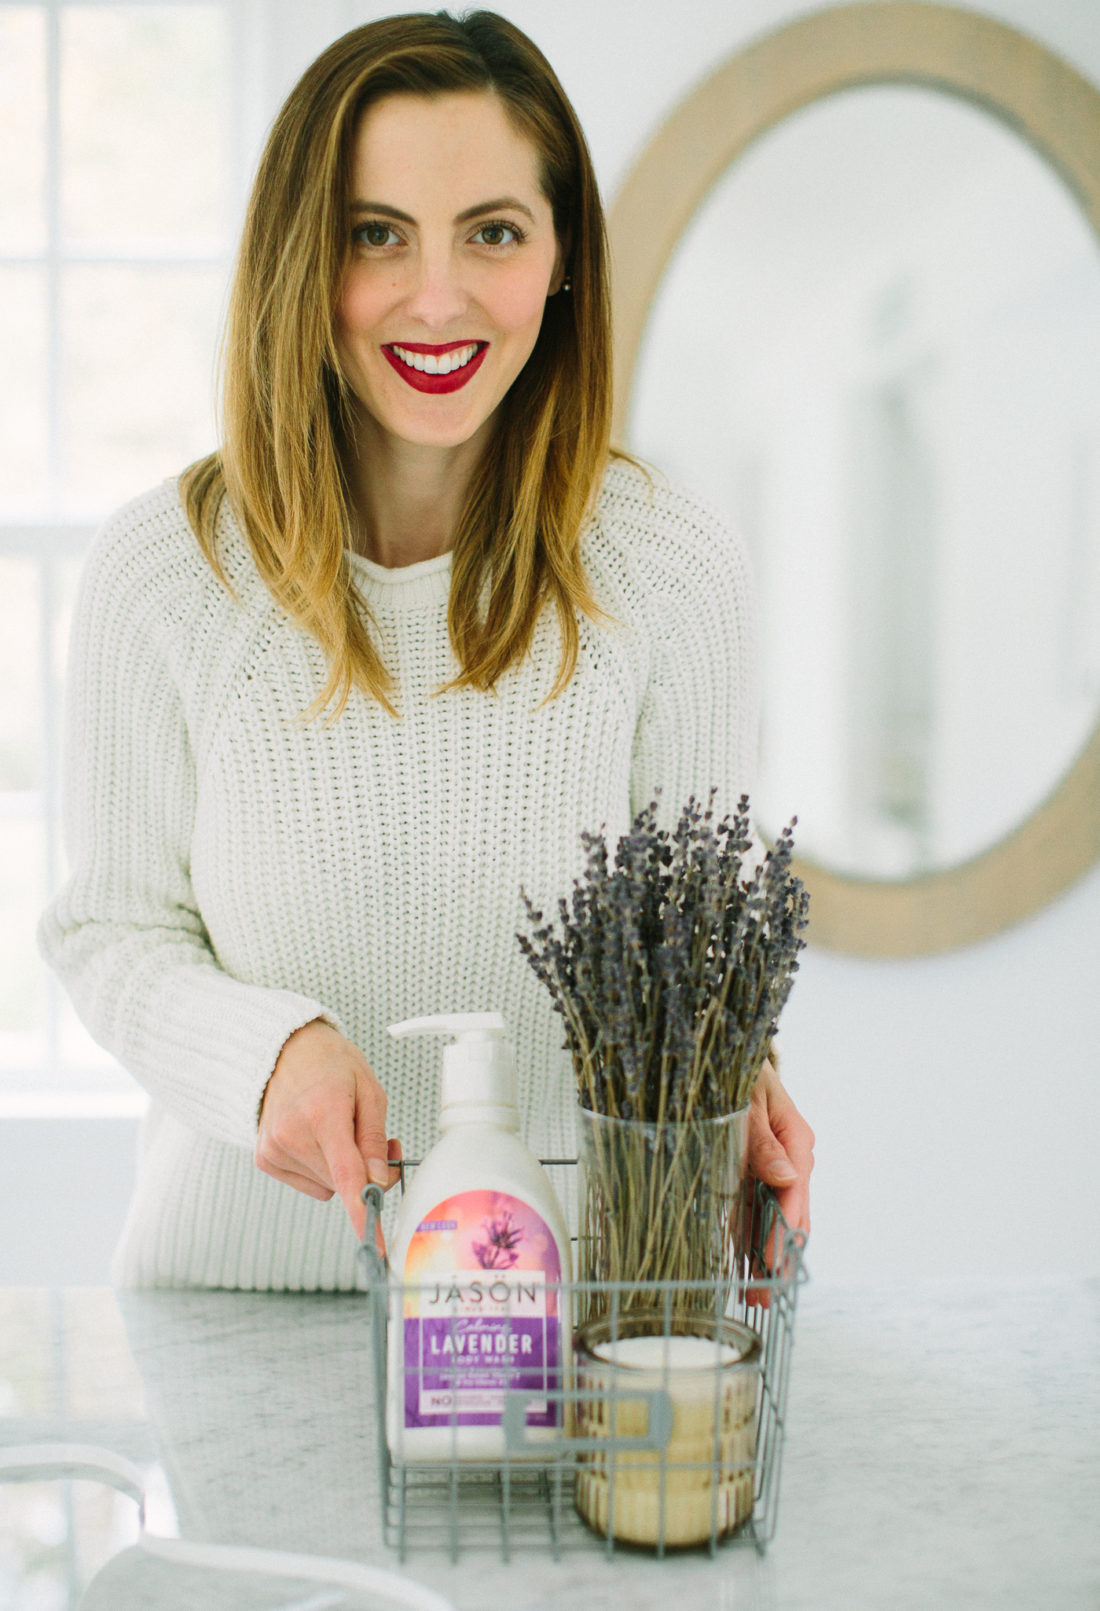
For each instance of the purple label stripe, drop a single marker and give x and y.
(457, 1369)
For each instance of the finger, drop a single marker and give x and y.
(796, 1136)
(770, 1262)
(303, 1183)
(395, 1156)
(794, 1198)
(393, 1148)
(393, 1164)
(276, 1159)
(780, 1153)
(769, 1161)
(766, 1155)
(347, 1172)
(370, 1133)
(773, 1262)
(352, 1198)
(288, 1143)
(794, 1204)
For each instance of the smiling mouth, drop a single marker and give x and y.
(436, 369)
(442, 362)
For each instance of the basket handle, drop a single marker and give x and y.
(656, 1435)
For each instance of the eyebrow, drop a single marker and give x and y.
(461, 218)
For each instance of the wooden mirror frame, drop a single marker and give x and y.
(1057, 111)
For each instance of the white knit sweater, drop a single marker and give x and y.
(236, 874)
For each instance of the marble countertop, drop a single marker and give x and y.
(943, 1449)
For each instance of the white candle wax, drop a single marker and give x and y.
(675, 1353)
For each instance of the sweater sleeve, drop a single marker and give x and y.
(697, 730)
(124, 934)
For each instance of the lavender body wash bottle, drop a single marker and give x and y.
(481, 1249)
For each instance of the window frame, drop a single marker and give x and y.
(57, 533)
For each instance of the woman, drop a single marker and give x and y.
(358, 677)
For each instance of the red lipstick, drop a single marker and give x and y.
(422, 382)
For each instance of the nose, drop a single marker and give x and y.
(438, 295)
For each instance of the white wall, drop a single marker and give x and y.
(956, 1099)
(64, 1187)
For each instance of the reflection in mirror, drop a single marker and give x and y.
(877, 351)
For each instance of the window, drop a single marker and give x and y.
(120, 177)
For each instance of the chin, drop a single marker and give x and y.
(441, 437)
(426, 432)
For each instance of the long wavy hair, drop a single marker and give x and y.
(287, 410)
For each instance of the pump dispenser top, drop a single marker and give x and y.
(479, 1066)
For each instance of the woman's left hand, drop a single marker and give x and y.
(781, 1148)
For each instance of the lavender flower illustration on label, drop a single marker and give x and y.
(502, 1238)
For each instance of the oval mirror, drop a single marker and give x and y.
(875, 345)
(891, 307)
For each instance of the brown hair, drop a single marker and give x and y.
(286, 407)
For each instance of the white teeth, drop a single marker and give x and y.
(429, 364)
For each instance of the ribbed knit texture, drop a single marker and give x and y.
(237, 873)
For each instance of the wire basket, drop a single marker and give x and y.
(610, 1442)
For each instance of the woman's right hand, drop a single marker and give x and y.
(323, 1121)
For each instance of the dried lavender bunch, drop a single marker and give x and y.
(669, 967)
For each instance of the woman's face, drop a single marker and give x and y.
(453, 257)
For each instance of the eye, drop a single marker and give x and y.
(367, 234)
(498, 227)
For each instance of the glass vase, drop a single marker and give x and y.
(659, 1203)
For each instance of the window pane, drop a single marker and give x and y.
(22, 129)
(65, 579)
(22, 972)
(137, 378)
(22, 389)
(143, 102)
(20, 706)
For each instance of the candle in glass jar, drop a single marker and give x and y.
(668, 1353)
(695, 1480)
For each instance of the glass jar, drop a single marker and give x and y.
(671, 1407)
(659, 1203)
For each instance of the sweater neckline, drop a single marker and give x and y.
(403, 586)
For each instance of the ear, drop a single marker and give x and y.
(559, 270)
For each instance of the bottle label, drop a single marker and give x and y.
(479, 1320)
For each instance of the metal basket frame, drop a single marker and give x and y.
(521, 1500)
